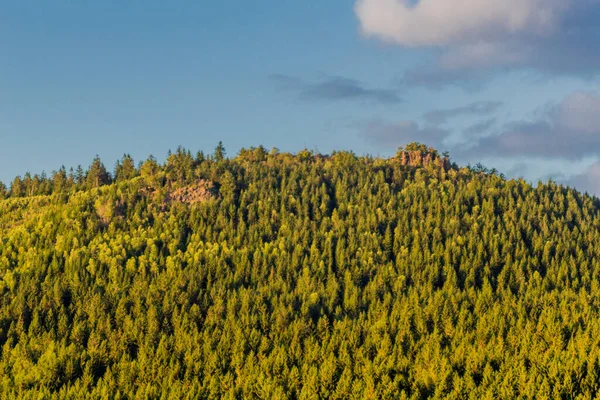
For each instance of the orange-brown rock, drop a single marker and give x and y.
(420, 159)
(201, 191)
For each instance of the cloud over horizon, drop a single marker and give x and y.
(588, 180)
(568, 130)
(566, 133)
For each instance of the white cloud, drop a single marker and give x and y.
(551, 36)
(456, 22)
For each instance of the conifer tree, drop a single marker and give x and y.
(125, 169)
(219, 152)
(97, 175)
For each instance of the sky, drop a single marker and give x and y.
(513, 85)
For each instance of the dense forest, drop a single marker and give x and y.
(272, 275)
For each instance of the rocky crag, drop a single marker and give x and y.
(419, 158)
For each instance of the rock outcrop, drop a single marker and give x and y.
(200, 191)
(420, 159)
(197, 192)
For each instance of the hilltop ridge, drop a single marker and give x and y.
(179, 168)
(277, 275)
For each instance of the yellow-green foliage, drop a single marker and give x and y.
(308, 277)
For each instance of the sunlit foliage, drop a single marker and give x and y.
(304, 276)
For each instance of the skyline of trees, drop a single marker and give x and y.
(125, 168)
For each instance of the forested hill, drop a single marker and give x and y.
(273, 276)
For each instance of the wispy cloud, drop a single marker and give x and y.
(391, 135)
(432, 129)
(479, 109)
(434, 77)
(479, 129)
(588, 180)
(335, 89)
(568, 130)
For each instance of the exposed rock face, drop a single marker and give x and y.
(420, 159)
(198, 192)
(201, 191)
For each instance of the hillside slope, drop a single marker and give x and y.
(301, 276)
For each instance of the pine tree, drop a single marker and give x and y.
(97, 174)
(59, 180)
(125, 169)
(219, 152)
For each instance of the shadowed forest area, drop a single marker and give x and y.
(276, 275)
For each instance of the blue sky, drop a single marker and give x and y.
(512, 86)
